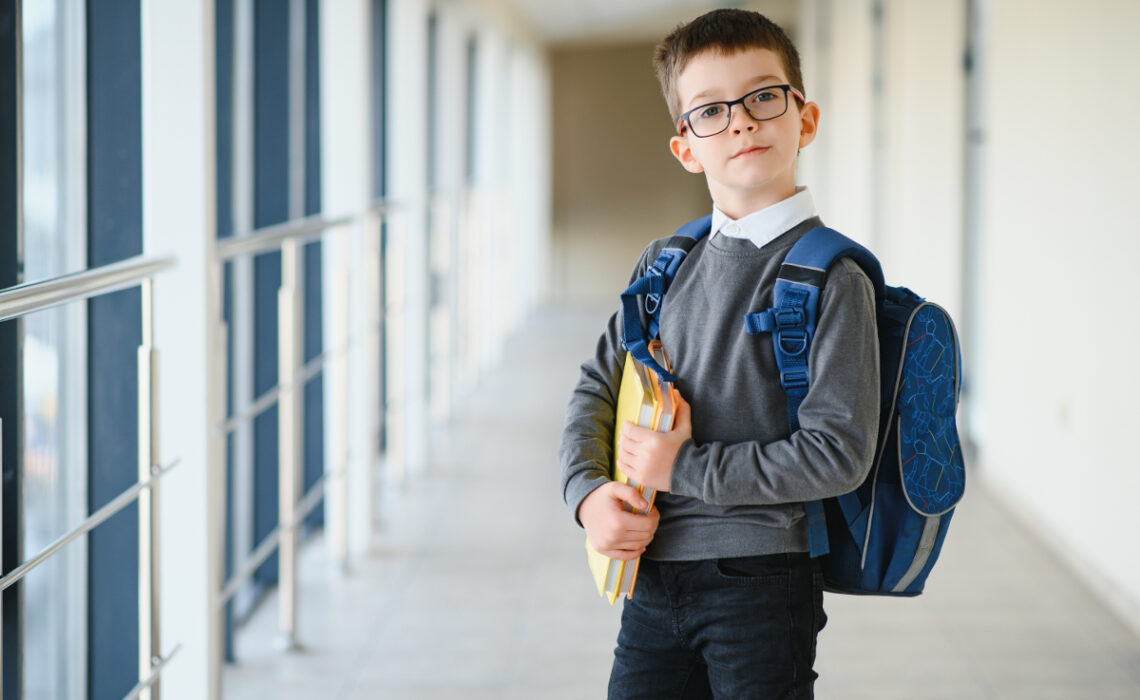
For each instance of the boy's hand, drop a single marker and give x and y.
(611, 528)
(647, 456)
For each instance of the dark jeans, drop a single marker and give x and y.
(728, 629)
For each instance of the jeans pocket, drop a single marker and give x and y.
(754, 571)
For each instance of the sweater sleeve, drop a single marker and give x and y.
(586, 449)
(832, 451)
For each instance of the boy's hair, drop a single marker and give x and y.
(725, 31)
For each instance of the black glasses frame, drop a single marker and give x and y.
(685, 119)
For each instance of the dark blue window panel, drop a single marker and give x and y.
(12, 524)
(114, 201)
(312, 107)
(314, 443)
(271, 206)
(223, 112)
(223, 119)
(267, 280)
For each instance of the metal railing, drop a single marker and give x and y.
(25, 299)
(294, 506)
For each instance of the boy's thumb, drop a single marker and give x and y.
(630, 495)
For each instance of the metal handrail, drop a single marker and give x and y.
(266, 400)
(264, 550)
(21, 300)
(270, 238)
(293, 373)
(155, 671)
(120, 502)
(36, 296)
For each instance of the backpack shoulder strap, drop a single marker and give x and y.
(792, 321)
(653, 285)
(818, 250)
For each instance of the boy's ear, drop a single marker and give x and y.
(679, 145)
(809, 123)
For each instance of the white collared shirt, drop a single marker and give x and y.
(764, 226)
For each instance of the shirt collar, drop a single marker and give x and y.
(764, 226)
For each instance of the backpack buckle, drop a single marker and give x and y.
(796, 379)
(652, 302)
(792, 341)
(788, 317)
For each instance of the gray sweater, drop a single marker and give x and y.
(738, 485)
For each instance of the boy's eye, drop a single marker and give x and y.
(710, 111)
(764, 96)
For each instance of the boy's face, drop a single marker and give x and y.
(751, 164)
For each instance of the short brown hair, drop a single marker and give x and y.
(725, 31)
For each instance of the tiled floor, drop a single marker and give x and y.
(478, 587)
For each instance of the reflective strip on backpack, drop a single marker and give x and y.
(921, 554)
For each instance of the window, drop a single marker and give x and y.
(54, 348)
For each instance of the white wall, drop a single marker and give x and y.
(351, 394)
(1051, 377)
(1060, 244)
(886, 168)
(836, 54)
(923, 118)
(406, 147)
(179, 219)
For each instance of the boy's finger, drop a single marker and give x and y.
(637, 522)
(626, 454)
(630, 495)
(634, 433)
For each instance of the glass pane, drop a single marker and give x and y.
(54, 476)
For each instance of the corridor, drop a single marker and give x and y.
(477, 586)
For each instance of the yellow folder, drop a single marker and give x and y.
(645, 400)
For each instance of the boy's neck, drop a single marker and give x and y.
(736, 208)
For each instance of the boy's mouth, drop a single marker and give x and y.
(751, 150)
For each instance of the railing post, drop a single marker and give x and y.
(395, 414)
(338, 269)
(150, 651)
(372, 376)
(217, 381)
(337, 382)
(290, 426)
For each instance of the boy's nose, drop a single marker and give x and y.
(740, 120)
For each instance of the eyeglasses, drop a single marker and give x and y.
(763, 104)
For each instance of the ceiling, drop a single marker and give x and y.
(598, 21)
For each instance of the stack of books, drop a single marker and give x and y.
(646, 400)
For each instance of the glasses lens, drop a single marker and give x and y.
(768, 103)
(710, 119)
(764, 104)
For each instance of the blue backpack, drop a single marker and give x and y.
(884, 537)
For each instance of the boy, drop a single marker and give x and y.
(728, 603)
